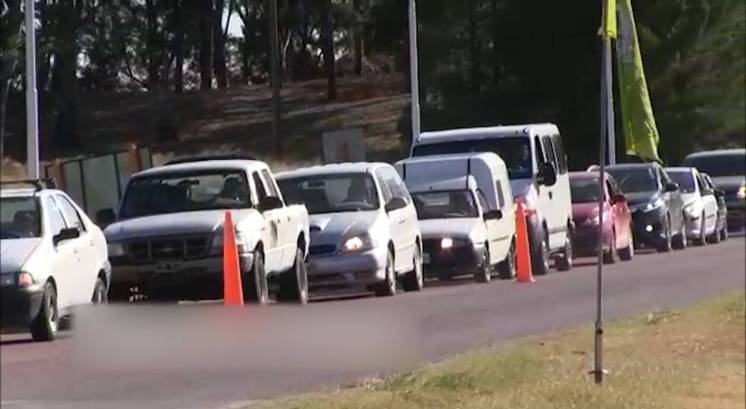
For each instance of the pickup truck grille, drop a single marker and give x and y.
(167, 249)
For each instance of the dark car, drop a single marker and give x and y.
(727, 168)
(656, 205)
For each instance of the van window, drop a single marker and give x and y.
(559, 153)
(385, 190)
(500, 195)
(549, 151)
(395, 184)
(540, 158)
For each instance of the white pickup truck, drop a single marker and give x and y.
(165, 239)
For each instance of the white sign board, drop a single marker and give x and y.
(345, 145)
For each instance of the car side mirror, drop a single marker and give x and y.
(547, 174)
(66, 234)
(270, 203)
(396, 204)
(493, 215)
(619, 198)
(105, 217)
(672, 187)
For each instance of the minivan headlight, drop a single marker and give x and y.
(358, 243)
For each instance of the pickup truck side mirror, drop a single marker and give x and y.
(618, 198)
(395, 204)
(547, 174)
(270, 203)
(105, 217)
(671, 187)
(66, 234)
(493, 215)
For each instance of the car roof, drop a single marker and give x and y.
(452, 156)
(333, 168)
(632, 166)
(209, 165)
(484, 132)
(680, 169)
(717, 152)
(586, 175)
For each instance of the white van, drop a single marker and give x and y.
(465, 213)
(537, 166)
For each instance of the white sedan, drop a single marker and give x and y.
(53, 258)
(700, 205)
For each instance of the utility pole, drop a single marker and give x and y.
(274, 49)
(32, 118)
(414, 71)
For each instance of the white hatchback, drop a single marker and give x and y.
(53, 258)
(700, 205)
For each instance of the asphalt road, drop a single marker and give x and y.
(180, 358)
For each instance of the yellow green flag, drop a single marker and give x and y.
(609, 23)
(638, 122)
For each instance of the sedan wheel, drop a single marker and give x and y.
(415, 280)
(44, 326)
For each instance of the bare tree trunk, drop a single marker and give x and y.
(205, 47)
(474, 48)
(221, 71)
(327, 34)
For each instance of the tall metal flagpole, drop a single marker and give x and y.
(32, 121)
(609, 76)
(414, 71)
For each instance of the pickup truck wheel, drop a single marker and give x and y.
(414, 280)
(539, 254)
(294, 283)
(388, 287)
(506, 268)
(484, 274)
(100, 295)
(44, 326)
(255, 288)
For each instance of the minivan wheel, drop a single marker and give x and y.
(294, 282)
(44, 325)
(702, 238)
(714, 238)
(388, 287)
(255, 288)
(415, 280)
(484, 273)
(506, 268)
(539, 255)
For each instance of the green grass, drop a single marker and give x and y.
(689, 359)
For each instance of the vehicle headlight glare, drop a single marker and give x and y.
(115, 249)
(357, 243)
(653, 205)
(741, 194)
(446, 243)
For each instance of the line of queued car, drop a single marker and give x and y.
(448, 210)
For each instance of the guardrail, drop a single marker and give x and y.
(97, 181)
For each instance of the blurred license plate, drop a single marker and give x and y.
(167, 267)
(426, 258)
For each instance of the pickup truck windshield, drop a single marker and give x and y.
(173, 193)
(445, 205)
(635, 180)
(727, 164)
(331, 193)
(516, 152)
(19, 218)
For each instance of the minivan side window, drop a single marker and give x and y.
(559, 153)
(397, 187)
(385, 191)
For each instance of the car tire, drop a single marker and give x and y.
(294, 282)
(611, 255)
(45, 324)
(388, 287)
(100, 293)
(666, 245)
(415, 279)
(715, 238)
(539, 255)
(484, 273)
(507, 268)
(255, 287)
(628, 253)
(564, 261)
(701, 240)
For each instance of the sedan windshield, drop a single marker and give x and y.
(730, 164)
(584, 190)
(635, 180)
(182, 192)
(19, 218)
(685, 181)
(516, 152)
(445, 205)
(332, 193)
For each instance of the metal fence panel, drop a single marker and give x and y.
(101, 184)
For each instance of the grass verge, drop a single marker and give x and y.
(688, 359)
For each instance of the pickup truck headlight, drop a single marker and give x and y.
(358, 243)
(115, 249)
(741, 194)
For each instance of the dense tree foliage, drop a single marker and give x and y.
(482, 62)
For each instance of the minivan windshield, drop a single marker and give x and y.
(635, 180)
(685, 181)
(331, 193)
(445, 205)
(19, 218)
(185, 192)
(515, 151)
(726, 164)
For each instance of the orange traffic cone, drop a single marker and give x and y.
(523, 262)
(233, 293)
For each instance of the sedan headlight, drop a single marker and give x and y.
(358, 243)
(115, 249)
(741, 194)
(655, 204)
(25, 279)
(447, 243)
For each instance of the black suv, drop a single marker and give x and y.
(656, 205)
